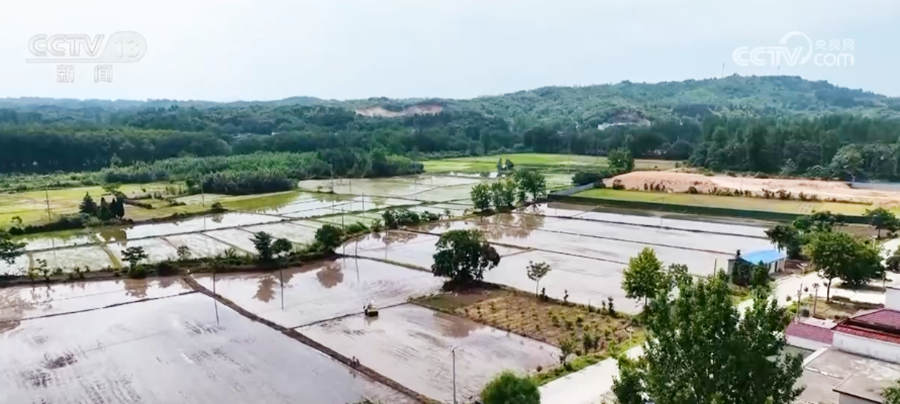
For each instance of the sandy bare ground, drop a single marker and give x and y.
(823, 190)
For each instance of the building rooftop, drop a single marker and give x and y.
(833, 371)
(763, 256)
(880, 324)
(810, 332)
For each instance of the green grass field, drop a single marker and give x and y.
(548, 162)
(31, 206)
(729, 202)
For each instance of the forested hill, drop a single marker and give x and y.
(719, 123)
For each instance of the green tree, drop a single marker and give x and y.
(281, 247)
(10, 250)
(134, 256)
(891, 394)
(644, 275)
(882, 219)
(700, 349)
(463, 256)
(620, 160)
(507, 388)
(88, 206)
(104, 212)
(536, 271)
(481, 196)
(118, 206)
(531, 182)
(818, 222)
(503, 195)
(840, 255)
(183, 252)
(262, 241)
(787, 238)
(329, 236)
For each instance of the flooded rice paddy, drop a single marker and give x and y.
(294, 216)
(588, 251)
(182, 348)
(322, 290)
(119, 341)
(24, 302)
(411, 344)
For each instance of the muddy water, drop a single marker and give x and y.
(157, 249)
(93, 257)
(173, 350)
(396, 246)
(411, 345)
(696, 225)
(323, 290)
(235, 238)
(20, 302)
(525, 231)
(676, 238)
(199, 245)
(299, 232)
(586, 281)
(19, 266)
(56, 241)
(202, 223)
(403, 247)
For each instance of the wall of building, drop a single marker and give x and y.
(872, 348)
(805, 343)
(848, 399)
(892, 298)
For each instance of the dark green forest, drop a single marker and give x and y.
(774, 124)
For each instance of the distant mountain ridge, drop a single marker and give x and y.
(748, 96)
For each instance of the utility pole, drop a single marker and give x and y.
(281, 275)
(816, 298)
(47, 199)
(453, 354)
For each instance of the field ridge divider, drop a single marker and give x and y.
(300, 337)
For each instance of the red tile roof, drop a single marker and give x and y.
(810, 332)
(880, 324)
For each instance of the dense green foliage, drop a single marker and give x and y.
(507, 388)
(891, 394)
(10, 250)
(329, 237)
(769, 124)
(700, 349)
(791, 238)
(463, 256)
(840, 255)
(644, 275)
(882, 219)
(134, 255)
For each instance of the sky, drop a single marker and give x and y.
(227, 50)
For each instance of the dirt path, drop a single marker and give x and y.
(292, 333)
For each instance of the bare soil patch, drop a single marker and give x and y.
(835, 191)
(590, 329)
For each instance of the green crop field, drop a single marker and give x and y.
(728, 202)
(31, 206)
(545, 161)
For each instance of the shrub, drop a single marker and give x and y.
(507, 388)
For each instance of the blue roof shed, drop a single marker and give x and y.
(764, 256)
